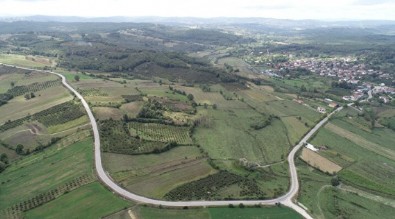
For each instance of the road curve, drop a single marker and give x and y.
(285, 199)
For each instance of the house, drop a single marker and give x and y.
(311, 147)
(333, 105)
(321, 109)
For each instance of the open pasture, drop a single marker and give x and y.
(154, 175)
(227, 134)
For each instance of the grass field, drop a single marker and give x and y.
(155, 174)
(208, 213)
(89, 201)
(336, 203)
(132, 109)
(229, 136)
(366, 163)
(295, 128)
(203, 97)
(324, 201)
(20, 60)
(104, 113)
(41, 172)
(23, 79)
(44, 99)
(311, 182)
(68, 125)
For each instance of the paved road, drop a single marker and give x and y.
(286, 199)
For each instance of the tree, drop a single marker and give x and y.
(335, 181)
(190, 97)
(27, 96)
(12, 84)
(215, 106)
(77, 78)
(4, 158)
(32, 95)
(19, 149)
(303, 88)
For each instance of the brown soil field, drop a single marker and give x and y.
(317, 161)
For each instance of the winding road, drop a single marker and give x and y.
(286, 199)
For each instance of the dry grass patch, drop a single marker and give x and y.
(132, 109)
(317, 161)
(104, 113)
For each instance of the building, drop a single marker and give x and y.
(321, 109)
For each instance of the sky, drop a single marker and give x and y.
(283, 9)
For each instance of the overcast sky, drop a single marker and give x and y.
(290, 9)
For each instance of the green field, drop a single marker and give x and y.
(367, 155)
(336, 203)
(154, 175)
(41, 172)
(89, 201)
(229, 136)
(208, 213)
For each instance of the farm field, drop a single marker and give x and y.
(208, 213)
(44, 99)
(23, 79)
(98, 202)
(317, 161)
(325, 201)
(160, 132)
(155, 174)
(41, 172)
(364, 167)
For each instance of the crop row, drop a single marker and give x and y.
(115, 138)
(55, 115)
(40, 199)
(92, 92)
(20, 90)
(161, 132)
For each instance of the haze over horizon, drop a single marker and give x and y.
(280, 9)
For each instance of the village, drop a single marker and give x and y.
(345, 70)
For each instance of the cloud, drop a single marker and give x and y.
(372, 2)
(288, 9)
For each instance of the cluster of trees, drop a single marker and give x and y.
(208, 187)
(262, 123)
(151, 110)
(3, 162)
(342, 84)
